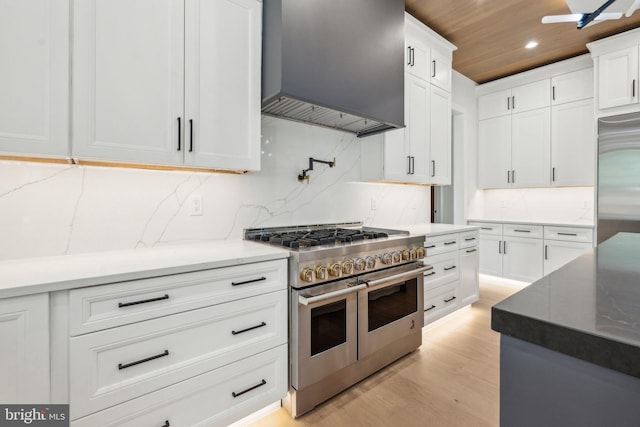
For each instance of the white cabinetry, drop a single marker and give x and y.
(563, 244)
(453, 281)
(515, 100)
(423, 59)
(24, 353)
(162, 84)
(572, 86)
(34, 77)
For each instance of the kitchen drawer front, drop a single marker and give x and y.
(439, 244)
(523, 230)
(108, 306)
(445, 269)
(493, 228)
(469, 239)
(568, 234)
(439, 301)
(112, 366)
(207, 399)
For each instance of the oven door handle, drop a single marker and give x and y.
(390, 280)
(311, 300)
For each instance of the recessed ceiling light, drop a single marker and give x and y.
(531, 44)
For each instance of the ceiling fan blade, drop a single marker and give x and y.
(554, 19)
(634, 6)
(606, 16)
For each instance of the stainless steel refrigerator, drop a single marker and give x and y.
(618, 175)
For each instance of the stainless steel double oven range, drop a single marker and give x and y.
(356, 304)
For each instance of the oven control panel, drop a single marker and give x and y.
(331, 268)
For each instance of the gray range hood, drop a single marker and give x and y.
(334, 63)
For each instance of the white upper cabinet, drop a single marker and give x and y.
(440, 136)
(417, 52)
(494, 152)
(163, 84)
(515, 100)
(34, 77)
(494, 104)
(530, 148)
(441, 70)
(572, 86)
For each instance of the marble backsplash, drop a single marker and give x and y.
(52, 209)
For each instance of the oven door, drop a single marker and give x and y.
(324, 331)
(390, 307)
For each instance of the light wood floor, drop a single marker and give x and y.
(451, 380)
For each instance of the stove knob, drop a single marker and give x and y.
(396, 257)
(307, 275)
(387, 258)
(347, 267)
(359, 264)
(371, 262)
(413, 254)
(406, 255)
(334, 269)
(422, 252)
(321, 272)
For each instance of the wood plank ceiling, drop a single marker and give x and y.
(491, 34)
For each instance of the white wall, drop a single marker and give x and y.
(50, 209)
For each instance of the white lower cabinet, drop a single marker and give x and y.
(24, 349)
(453, 281)
(522, 258)
(562, 245)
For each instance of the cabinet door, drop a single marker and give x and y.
(494, 154)
(24, 353)
(557, 253)
(573, 144)
(531, 148)
(491, 254)
(531, 96)
(417, 52)
(440, 136)
(522, 259)
(34, 77)
(222, 83)
(397, 161)
(494, 104)
(440, 70)
(417, 130)
(468, 288)
(617, 78)
(572, 86)
(128, 80)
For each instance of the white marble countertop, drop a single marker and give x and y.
(428, 229)
(34, 275)
(583, 224)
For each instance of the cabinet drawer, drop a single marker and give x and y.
(112, 366)
(107, 306)
(439, 300)
(445, 269)
(523, 230)
(214, 398)
(487, 228)
(440, 244)
(569, 234)
(469, 239)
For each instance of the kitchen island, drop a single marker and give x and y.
(570, 345)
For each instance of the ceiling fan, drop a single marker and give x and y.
(584, 19)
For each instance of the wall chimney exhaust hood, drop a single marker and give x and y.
(334, 63)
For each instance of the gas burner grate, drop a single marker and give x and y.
(321, 237)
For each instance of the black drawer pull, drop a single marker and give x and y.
(450, 243)
(249, 329)
(523, 231)
(486, 228)
(248, 281)
(568, 234)
(430, 274)
(471, 250)
(431, 308)
(240, 393)
(166, 424)
(430, 246)
(468, 239)
(450, 268)
(450, 299)
(144, 301)
(148, 359)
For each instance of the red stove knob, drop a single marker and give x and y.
(307, 275)
(334, 269)
(321, 272)
(396, 257)
(359, 264)
(386, 258)
(371, 262)
(406, 255)
(347, 267)
(421, 252)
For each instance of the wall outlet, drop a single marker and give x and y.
(194, 203)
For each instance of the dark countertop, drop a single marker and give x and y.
(588, 309)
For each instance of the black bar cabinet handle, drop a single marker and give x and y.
(508, 177)
(408, 165)
(450, 243)
(513, 176)
(468, 239)
(523, 231)
(249, 329)
(409, 55)
(148, 359)
(430, 308)
(553, 93)
(513, 102)
(144, 301)
(471, 250)
(568, 234)
(190, 135)
(248, 281)
(633, 88)
(486, 228)
(508, 107)
(499, 246)
(450, 268)
(413, 165)
(433, 172)
(240, 393)
(179, 133)
(430, 274)
(430, 247)
(166, 424)
(413, 57)
(450, 299)
(504, 247)
(546, 250)
(553, 174)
